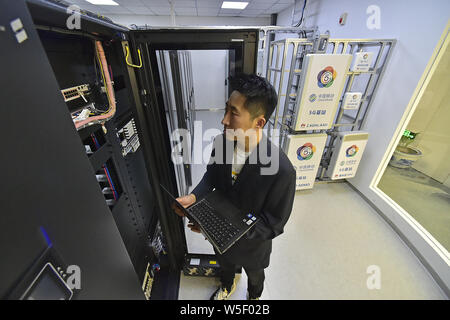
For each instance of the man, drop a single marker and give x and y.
(255, 175)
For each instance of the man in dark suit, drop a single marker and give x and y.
(255, 175)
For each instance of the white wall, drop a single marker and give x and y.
(209, 71)
(416, 42)
(417, 25)
(139, 20)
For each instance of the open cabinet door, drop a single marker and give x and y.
(156, 45)
(50, 197)
(150, 47)
(152, 124)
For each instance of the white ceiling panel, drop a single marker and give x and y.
(100, 9)
(156, 3)
(210, 8)
(230, 11)
(276, 8)
(251, 13)
(161, 11)
(141, 10)
(184, 4)
(212, 12)
(120, 10)
(129, 3)
(186, 11)
(91, 7)
(209, 3)
(258, 5)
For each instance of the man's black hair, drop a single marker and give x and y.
(261, 97)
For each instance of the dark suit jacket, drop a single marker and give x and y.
(269, 197)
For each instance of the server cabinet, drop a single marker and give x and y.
(50, 197)
(90, 198)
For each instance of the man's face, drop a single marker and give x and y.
(237, 116)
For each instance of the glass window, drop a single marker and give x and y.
(418, 175)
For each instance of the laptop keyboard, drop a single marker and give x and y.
(218, 228)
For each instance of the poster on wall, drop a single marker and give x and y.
(320, 90)
(347, 154)
(305, 151)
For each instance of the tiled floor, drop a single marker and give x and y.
(330, 241)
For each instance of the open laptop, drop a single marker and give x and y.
(220, 221)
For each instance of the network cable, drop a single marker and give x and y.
(105, 168)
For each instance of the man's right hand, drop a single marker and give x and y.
(185, 201)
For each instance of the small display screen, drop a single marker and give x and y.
(48, 286)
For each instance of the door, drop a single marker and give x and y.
(242, 45)
(150, 90)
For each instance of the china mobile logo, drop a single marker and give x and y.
(351, 151)
(325, 78)
(306, 151)
(266, 154)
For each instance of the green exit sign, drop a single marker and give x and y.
(409, 134)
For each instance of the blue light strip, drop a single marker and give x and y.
(47, 238)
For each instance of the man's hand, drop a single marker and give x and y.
(194, 227)
(185, 201)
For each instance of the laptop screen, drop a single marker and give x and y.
(176, 203)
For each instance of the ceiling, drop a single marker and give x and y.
(210, 8)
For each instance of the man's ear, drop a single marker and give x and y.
(260, 122)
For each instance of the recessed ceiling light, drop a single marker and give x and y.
(103, 2)
(234, 5)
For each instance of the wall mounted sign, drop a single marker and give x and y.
(347, 154)
(305, 152)
(362, 62)
(351, 100)
(320, 89)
